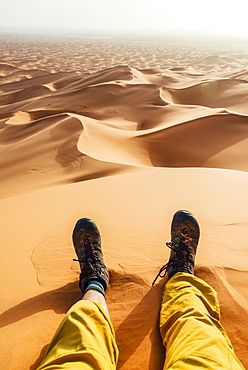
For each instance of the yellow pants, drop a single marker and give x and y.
(189, 325)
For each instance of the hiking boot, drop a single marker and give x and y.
(87, 243)
(185, 233)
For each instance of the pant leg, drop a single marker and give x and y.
(190, 327)
(84, 340)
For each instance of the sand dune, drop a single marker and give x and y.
(126, 134)
(120, 117)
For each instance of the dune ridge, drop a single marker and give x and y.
(117, 119)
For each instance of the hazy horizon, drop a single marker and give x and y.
(132, 35)
(126, 17)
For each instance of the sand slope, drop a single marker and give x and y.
(62, 125)
(127, 147)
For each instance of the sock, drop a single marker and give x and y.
(94, 284)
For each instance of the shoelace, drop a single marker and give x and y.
(164, 269)
(89, 242)
(88, 265)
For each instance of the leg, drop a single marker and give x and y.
(94, 296)
(190, 318)
(85, 338)
(190, 327)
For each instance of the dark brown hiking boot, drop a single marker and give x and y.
(185, 233)
(87, 243)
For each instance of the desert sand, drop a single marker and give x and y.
(125, 133)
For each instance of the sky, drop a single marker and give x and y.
(212, 16)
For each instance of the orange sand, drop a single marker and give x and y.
(128, 147)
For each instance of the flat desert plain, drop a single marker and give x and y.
(125, 132)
